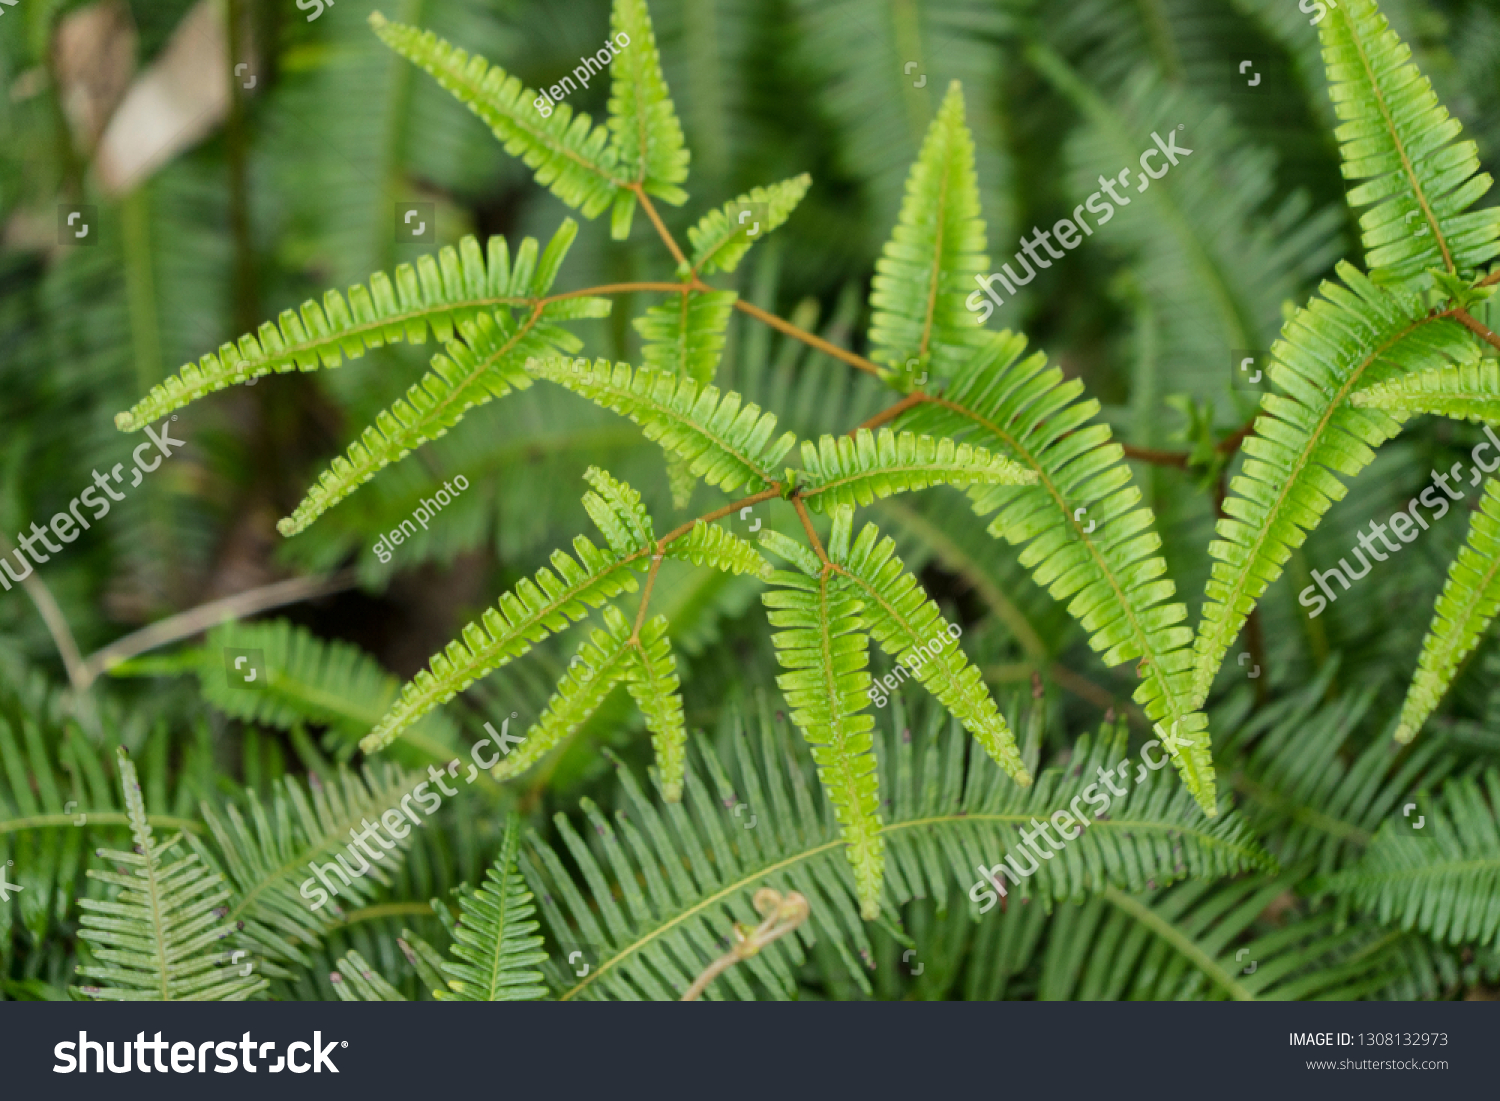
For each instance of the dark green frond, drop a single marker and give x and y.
(1444, 881)
(268, 858)
(153, 939)
(495, 938)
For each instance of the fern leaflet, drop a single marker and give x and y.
(907, 625)
(570, 156)
(845, 471)
(1352, 336)
(496, 940)
(918, 321)
(1472, 392)
(725, 441)
(151, 940)
(1399, 139)
(1466, 606)
(825, 650)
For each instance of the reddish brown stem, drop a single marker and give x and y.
(661, 229)
(812, 535)
(916, 397)
(806, 337)
(1476, 327)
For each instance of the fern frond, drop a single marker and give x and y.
(459, 285)
(825, 650)
(151, 939)
(495, 939)
(55, 799)
(313, 680)
(1401, 141)
(1204, 941)
(646, 135)
(1310, 792)
(267, 858)
(354, 980)
(918, 320)
(487, 365)
(710, 545)
(617, 511)
(721, 238)
(1354, 335)
(725, 441)
(684, 871)
(653, 684)
(685, 335)
(571, 157)
(527, 614)
(1444, 882)
(855, 471)
(600, 664)
(1465, 608)
(1085, 532)
(908, 626)
(1472, 392)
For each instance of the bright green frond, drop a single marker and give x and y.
(857, 470)
(646, 136)
(1086, 534)
(526, 615)
(919, 322)
(727, 442)
(685, 334)
(653, 683)
(496, 939)
(722, 237)
(459, 285)
(710, 545)
(1444, 881)
(600, 664)
(1465, 608)
(154, 940)
(1401, 141)
(825, 650)
(617, 510)
(908, 626)
(488, 365)
(569, 155)
(1353, 336)
(1472, 392)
